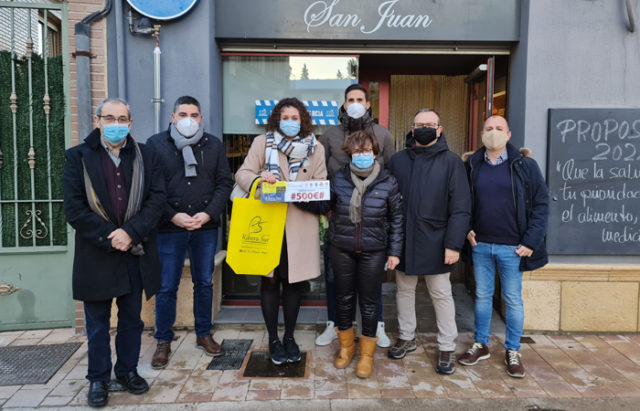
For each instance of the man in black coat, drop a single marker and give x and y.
(508, 227)
(198, 181)
(437, 205)
(113, 198)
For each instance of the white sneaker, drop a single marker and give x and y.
(328, 335)
(383, 339)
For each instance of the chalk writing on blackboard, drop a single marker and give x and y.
(593, 172)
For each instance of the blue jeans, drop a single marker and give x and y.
(486, 257)
(172, 249)
(128, 335)
(330, 286)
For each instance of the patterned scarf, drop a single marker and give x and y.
(135, 194)
(297, 151)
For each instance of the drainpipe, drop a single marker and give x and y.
(122, 81)
(83, 56)
(157, 99)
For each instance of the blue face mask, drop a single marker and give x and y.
(290, 128)
(362, 161)
(115, 133)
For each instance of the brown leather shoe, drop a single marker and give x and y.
(161, 356)
(514, 365)
(209, 346)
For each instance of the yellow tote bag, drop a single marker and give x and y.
(255, 235)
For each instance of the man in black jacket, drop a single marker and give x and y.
(509, 222)
(113, 198)
(198, 181)
(435, 195)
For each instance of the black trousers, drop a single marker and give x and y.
(128, 333)
(358, 275)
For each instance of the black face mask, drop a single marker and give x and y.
(425, 135)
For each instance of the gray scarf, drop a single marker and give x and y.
(184, 144)
(360, 186)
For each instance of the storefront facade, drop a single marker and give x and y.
(466, 58)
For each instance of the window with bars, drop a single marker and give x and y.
(32, 133)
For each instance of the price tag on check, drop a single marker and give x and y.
(295, 191)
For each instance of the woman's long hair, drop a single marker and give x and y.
(273, 123)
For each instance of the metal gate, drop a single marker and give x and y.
(35, 120)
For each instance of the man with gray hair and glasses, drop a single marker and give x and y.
(113, 198)
(437, 207)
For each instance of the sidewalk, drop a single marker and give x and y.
(563, 372)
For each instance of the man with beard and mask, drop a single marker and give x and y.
(198, 182)
(508, 227)
(355, 114)
(113, 198)
(437, 206)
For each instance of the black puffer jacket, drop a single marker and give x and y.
(381, 227)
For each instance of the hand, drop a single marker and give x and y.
(184, 220)
(472, 238)
(523, 251)
(451, 256)
(268, 177)
(200, 219)
(392, 262)
(120, 240)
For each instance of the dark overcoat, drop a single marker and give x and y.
(437, 205)
(99, 270)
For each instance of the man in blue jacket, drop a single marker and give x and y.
(198, 182)
(508, 226)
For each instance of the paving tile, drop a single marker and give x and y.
(125, 398)
(56, 401)
(397, 393)
(459, 385)
(58, 336)
(493, 389)
(81, 397)
(232, 391)
(9, 336)
(68, 388)
(173, 376)
(324, 370)
(195, 397)
(625, 346)
(25, 341)
(263, 395)
(297, 389)
(331, 384)
(271, 384)
(8, 390)
(161, 392)
(331, 394)
(391, 374)
(429, 389)
(36, 334)
(229, 376)
(200, 384)
(26, 398)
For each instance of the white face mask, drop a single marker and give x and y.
(356, 110)
(187, 127)
(495, 139)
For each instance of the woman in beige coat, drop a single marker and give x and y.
(289, 151)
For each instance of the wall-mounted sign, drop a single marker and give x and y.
(420, 20)
(323, 112)
(162, 9)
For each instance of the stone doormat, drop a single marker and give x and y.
(234, 353)
(33, 364)
(260, 365)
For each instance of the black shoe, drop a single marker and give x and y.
(134, 383)
(277, 352)
(292, 349)
(98, 394)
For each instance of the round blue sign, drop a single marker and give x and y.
(162, 9)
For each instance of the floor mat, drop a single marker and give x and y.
(260, 365)
(33, 364)
(234, 353)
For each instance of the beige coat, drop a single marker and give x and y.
(301, 227)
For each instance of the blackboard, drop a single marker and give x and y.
(593, 172)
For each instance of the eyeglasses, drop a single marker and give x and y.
(109, 119)
(430, 125)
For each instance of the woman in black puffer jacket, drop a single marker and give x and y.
(366, 231)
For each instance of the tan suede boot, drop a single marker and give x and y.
(347, 348)
(365, 363)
